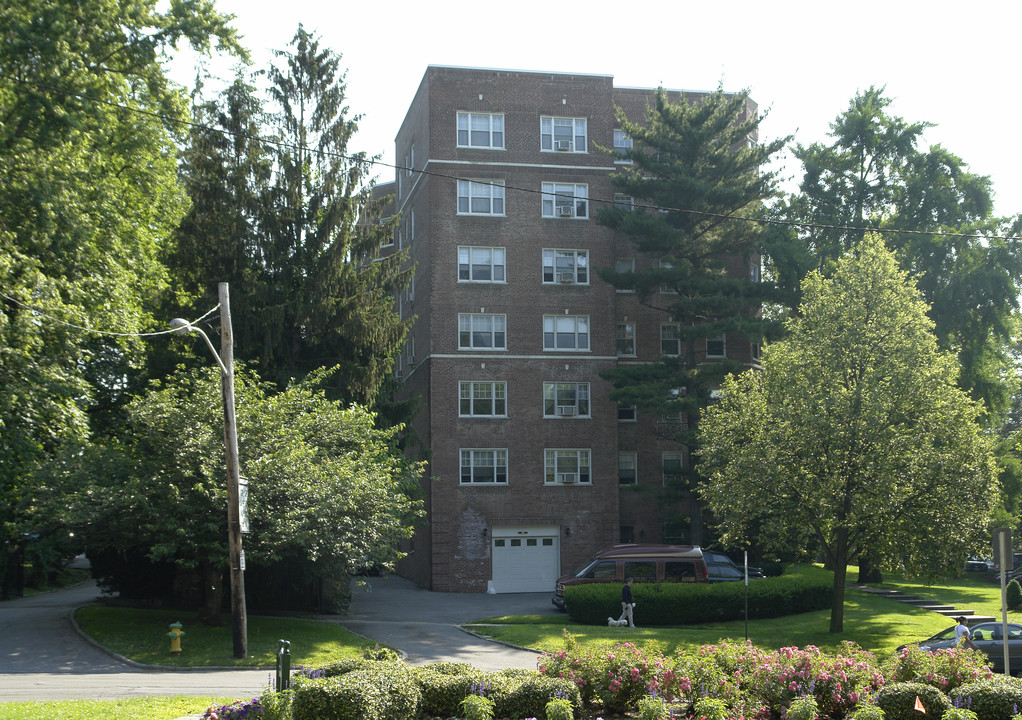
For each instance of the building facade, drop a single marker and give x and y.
(532, 468)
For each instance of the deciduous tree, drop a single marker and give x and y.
(855, 430)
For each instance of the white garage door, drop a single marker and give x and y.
(525, 563)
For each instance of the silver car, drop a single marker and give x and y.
(988, 637)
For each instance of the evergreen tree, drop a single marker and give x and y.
(696, 172)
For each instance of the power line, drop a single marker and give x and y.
(362, 158)
(94, 331)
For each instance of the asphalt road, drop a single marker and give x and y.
(42, 656)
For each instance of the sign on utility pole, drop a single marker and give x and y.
(1005, 559)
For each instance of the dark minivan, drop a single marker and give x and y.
(645, 563)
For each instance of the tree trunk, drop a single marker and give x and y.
(837, 608)
(869, 571)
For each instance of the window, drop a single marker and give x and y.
(622, 145)
(756, 269)
(482, 399)
(626, 468)
(482, 332)
(480, 198)
(715, 346)
(626, 413)
(668, 286)
(410, 290)
(567, 466)
(624, 202)
(624, 266)
(565, 399)
(560, 134)
(672, 463)
(481, 264)
(411, 159)
(481, 130)
(756, 350)
(679, 570)
(484, 467)
(410, 351)
(565, 200)
(627, 534)
(625, 339)
(643, 571)
(670, 340)
(566, 267)
(565, 332)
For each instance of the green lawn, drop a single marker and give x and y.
(141, 635)
(152, 708)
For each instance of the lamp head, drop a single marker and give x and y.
(180, 326)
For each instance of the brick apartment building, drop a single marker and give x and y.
(532, 468)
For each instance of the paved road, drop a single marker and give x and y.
(43, 658)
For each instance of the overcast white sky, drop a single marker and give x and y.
(954, 65)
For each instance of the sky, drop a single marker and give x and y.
(954, 65)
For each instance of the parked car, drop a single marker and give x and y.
(989, 638)
(645, 563)
(979, 565)
(721, 568)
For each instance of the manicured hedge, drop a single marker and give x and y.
(694, 603)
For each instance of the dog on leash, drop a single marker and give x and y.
(611, 622)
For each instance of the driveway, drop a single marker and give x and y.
(43, 658)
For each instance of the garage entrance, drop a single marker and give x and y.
(525, 559)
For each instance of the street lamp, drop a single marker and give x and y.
(239, 619)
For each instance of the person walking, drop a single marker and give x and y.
(963, 636)
(627, 605)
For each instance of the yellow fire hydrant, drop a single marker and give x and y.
(175, 638)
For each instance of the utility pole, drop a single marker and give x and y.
(239, 615)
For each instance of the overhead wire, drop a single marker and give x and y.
(375, 161)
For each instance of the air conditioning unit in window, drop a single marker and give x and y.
(563, 145)
(567, 477)
(565, 211)
(566, 278)
(566, 410)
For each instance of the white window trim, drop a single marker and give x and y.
(566, 410)
(468, 119)
(493, 332)
(579, 194)
(722, 339)
(557, 474)
(498, 454)
(575, 122)
(576, 319)
(493, 264)
(677, 340)
(495, 191)
(556, 275)
(663, 464)
(617, 338)
(635, 467)
(635, 413)
(471, 384)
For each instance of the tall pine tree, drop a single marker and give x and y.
(697, 173)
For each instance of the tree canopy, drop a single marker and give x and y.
(855, 431)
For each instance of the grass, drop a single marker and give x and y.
(148, 708)
(141, 635)
(874, 623)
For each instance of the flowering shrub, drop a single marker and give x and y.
(241, 710)
(945, 670)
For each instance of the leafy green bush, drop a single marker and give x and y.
(898, 700)
(476, 707)
(959, 714)
(944, 669)
(524, 693)
(867, 711)
(445, 685)
(561, 709)
(651, 707)
(660, 604)
(1013, 595)
(379, 691)
(995, 699)
(803, 708)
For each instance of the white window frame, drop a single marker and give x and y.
(472, 393)
(670, 455)
(563, 134)
(624, 202)
(478, 457)
(562, 266)
(628, 461)
(558, 463)
(565, 200)
(621, 266)
(622, 144)
(566, 400)
(674, 329)
(473, 194)
(667, 289)
(627, 413)
(717, 339)
(471, 257)
(494, 131)
(623, 332)
(556, 326)
(472, 324)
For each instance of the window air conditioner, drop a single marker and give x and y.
(565, 211)
(562, 145)
(566, 278)
(566, 410)
(567, 477)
